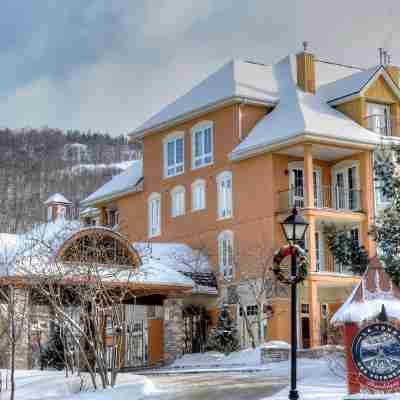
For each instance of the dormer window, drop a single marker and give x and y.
(174, 160)
(202, 144)
(378, 118)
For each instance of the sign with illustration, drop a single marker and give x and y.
(370, 323)
(376, 352)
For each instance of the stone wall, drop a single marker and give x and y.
(173, 330)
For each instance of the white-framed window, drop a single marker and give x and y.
(224, 188)
(174, 154)
(177, 201)
(154, 209)
(62, 212)
(198, 195)
(202, 144)
(379, 119)
(225, 254)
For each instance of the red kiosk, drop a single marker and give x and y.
(370, 319)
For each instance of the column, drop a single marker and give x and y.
(308, 176)
(367, 194)
(312, 250)
(314, 305)
(173, 329)
(103, 216)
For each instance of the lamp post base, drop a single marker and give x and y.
(293, 395)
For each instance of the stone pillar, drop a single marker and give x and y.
(23, 350)
(173, 329)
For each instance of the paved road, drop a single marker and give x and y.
(214, 386)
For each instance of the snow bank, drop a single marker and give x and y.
(247, 357)
(35, 385)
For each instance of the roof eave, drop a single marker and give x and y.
(298, 138)
(111, 196)
(139, 134)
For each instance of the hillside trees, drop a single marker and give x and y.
(32, 167)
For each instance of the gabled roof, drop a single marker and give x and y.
(57, 198)
(355, 84)
(375, 290)
(236, 80)
(300, 114)
(119, 185)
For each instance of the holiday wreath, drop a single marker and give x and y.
(302, 264)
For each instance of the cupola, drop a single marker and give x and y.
(58, 207)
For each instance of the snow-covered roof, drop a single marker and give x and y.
(349, 85)
(177, 256)
(181, 258)
(299, 114)
(57, 198)
(375, 290)
(236, 79)
(119, 185)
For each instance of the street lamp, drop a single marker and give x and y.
(294, 228)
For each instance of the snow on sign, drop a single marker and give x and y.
(370, 319)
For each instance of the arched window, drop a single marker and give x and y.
(198, 195)
(177, 201)
(224, 187)
(225, 254)
(154, 210)
(202, 144)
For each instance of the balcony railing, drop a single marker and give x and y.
(330, 266)
(382, 124)
(330, 197)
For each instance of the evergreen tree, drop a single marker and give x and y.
(386, 230)
(346, 250)
(223, 337)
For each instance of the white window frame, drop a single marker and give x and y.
(225, 199)
(174, 169)
(343, 167)
(154, 230)
(177, 209)
(226, 261)
(204, 159)
(199, 184)
(379, 113)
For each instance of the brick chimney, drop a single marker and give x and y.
(306, 70)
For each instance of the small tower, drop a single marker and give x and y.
(58, 207)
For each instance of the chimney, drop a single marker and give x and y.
(306, 70)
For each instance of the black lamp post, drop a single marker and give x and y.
(294, 228)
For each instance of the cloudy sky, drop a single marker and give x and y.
(108, 65)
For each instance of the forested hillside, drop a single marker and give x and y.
(35, 163)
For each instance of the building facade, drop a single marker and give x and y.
(224, 164)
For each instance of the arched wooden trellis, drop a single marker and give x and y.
(100, 246)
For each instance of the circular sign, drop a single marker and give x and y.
(376, 352)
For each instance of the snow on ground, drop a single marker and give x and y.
(52, 385)
(246, 358)
(315, 379)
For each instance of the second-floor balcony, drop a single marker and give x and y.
(325, 197)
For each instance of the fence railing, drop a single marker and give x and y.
(333, 197)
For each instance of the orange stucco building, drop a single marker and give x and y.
(224, 164)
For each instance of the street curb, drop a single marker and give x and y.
(183, 371)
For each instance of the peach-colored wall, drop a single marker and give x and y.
(253, 189)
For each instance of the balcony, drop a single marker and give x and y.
(382, 124)
(327, 264)
(325, 197)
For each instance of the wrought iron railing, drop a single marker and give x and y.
(331, 197)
